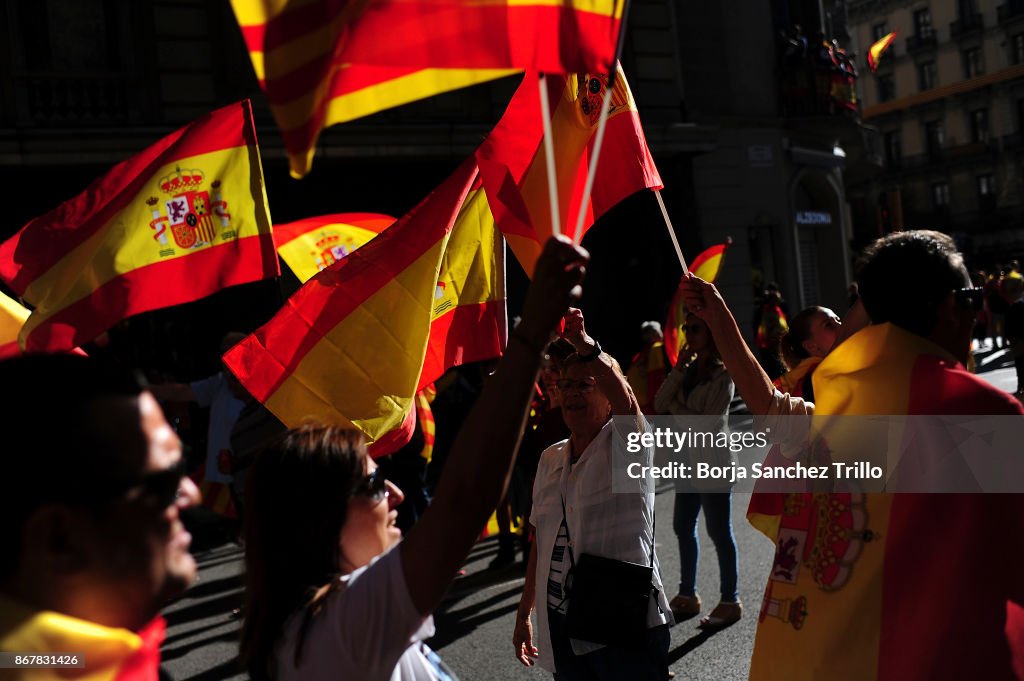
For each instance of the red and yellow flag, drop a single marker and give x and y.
(863, 585)
(12, 317)
(707, 265)
(513, 162)
(322, 62)
(358, 340)
(314, 244)
(876, 50)
(181, 220)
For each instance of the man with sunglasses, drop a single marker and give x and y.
(93, 543)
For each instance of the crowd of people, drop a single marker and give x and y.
(334, 588)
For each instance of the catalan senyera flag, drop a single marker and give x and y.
(513, 162)
(314, 244)
(180, 220)
(425, 416)
(12, 317)
(870, 586)
(359, 339)
(876, 50)
(323, 62)
(707, 265)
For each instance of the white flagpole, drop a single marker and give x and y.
(592, 170)
(549, 153)
(671, 230)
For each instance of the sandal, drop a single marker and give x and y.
(684, 607)
(725, 614)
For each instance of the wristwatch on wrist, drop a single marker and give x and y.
(594, 354)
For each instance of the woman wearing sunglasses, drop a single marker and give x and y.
(332, 590)
(699, 385)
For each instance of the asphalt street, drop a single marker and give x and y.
(474, 625)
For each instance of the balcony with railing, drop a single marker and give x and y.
(967, 25)
(1012, 10)
(59, 100)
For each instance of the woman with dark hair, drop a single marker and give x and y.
(811, 336)
(332, 590)
(699, 385)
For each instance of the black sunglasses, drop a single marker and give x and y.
(374, 486)
(161, 487)
(970, 297)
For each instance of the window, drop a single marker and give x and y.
(886, 88)
(933, 137)
(972, 63)
(979, 125)
(986, 185)
(879, 31)
(893, 147)
(1017, 49)
(923, 23)
(927, 75)
(940, 194)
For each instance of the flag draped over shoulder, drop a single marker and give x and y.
(878, 48)
(707, 265)
(12, 318)
(359, 339)
(322, 62)
(181, 220)
(513, 166)
(863, 585)
(311, 245)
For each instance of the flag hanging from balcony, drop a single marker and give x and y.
(707, 266)
(322, 63)
(180, 220)
(513, 167)
(12, 317)
(875, 51)
(359, 339)
(314, 244)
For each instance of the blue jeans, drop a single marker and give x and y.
(611, 663)
(718, 519)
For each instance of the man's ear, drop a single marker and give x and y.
(57, 540)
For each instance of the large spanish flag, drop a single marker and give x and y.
(359, 339)
(322, 62)
(513, 162)
(887, 587)
(314, 244)
(181, 220)
(12, 317)
(707, 266)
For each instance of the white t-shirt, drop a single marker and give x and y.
(367, 629)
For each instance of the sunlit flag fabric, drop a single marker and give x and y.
(181, 220)
(323, 62)
(877, 49)
(707, 266)
(879, 586)
(12, 317)
(359, 339)
(311, 245)
(512, 159)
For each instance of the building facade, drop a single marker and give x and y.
(948, 101)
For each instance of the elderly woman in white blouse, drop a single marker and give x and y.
(699, 385)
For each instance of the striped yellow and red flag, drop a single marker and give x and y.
(863, 585)
(425, 415)
(358, 340)
(181, 220)
(322, 62)
(513, 166)
(314, 244)
(707, 266)
(12, 317)
(878, 48)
